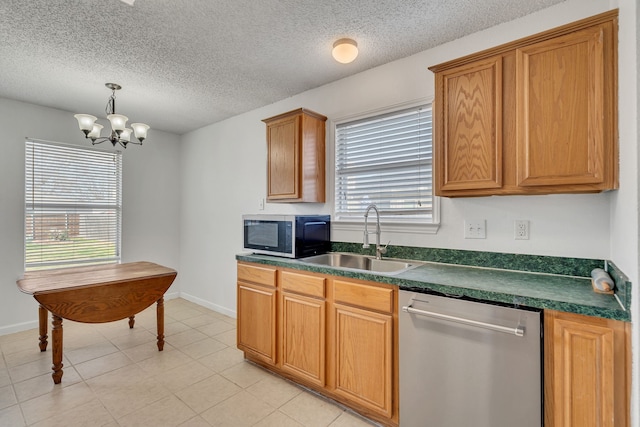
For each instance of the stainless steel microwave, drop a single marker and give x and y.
(291, 236)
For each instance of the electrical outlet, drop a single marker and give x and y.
(521, 229)
(475, 229)
(261, 204)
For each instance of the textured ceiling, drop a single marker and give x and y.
(184, 64)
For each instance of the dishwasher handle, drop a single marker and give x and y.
(517, 331)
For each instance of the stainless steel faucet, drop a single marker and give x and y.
(365, 244)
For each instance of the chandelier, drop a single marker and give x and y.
(120, 134)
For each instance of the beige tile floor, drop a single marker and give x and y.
(115, 376)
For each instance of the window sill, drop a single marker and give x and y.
(390, 226)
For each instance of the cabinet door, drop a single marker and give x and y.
(468, 128)
(562, 107)
(257, 321)
(283, 163)
(303, 337)
(364, 366)
(586, 366)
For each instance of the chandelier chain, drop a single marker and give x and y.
(111, 103)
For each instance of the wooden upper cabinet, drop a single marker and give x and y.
(534, 116)
(283, 151)
(562, 104)
(296, 157)
(469, 149)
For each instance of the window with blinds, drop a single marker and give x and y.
(73, 205)
(386, 160)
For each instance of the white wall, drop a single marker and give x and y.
(624, 202)
(224, 173)
(151, 200)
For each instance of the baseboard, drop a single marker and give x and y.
(18, 327)
(172, 295)
(33, 324)
(215, 307)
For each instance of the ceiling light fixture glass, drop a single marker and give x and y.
(345, 50)
(120, 134)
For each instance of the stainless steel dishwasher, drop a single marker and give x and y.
(466, 363)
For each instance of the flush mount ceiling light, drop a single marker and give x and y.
(119, 133)
(345, 50)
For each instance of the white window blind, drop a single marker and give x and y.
(386, 160)
(73, 205)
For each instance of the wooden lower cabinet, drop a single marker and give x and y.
(587, 371)
(336, 336)
(340, 337)
(364, 333)
(256, 329)
(364, 363)
(303, 337)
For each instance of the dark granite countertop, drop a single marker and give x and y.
(566, 293)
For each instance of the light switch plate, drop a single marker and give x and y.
(475, 229)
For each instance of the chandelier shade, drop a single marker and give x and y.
(140, 130)
(95, 131)
(125, 134)
(118, 122)
(86, 122)
(120, 134)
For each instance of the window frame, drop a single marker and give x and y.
(410, 225)
(75, 209)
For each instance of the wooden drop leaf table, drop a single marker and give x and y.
(96, 294)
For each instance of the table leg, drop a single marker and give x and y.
(160, 317)
(42, 317)
(132, 321)
(56, 332)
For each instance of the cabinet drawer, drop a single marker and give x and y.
(303, 284)
(261, 275)
(371, 297)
